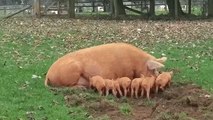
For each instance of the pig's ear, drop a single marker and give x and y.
(161, 60)
(153, 65)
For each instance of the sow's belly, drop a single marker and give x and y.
(110, 70)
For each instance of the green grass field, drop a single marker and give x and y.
(24, 56)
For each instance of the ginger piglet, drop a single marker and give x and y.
(163, 80)
(109, 85)
(125, 83)
(116, 88)
(147, 84)
(98, 82)
(135, 86)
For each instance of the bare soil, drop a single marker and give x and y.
(179, 102)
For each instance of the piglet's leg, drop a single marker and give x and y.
(107, 91)
(136, 92)
(142, 92)
(81, 84)
(114, 92)
(119, 90)
(100, 91)
(169, 84)
(156, 89)
(162, 88)
(147, 93)
(132, 92)
(125, 92)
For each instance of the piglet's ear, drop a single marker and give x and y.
(153, 65)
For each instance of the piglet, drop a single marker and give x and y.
(116, 88)
(147, 84)
(135, 86)
(163, 80)
(124, 82)
(109, 85)
(98, 82)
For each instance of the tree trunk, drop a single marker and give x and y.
(93, 6)
(119, 8)
(190, 6)
(116, 8)
(71, 9)
(104, 4)
(171, 6)
(36, 8)
(210, 8)
(112, 9)
(152, 7)
(176, 9)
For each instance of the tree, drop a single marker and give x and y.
(210, 8)
(119, 8)
(71, 9)
(152, 7)
(171, 6)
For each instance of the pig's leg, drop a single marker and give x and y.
(147, 93)
(156, 89)
(100, 91)
(136, 92)
(132, 91)
(162, 88)
(107, 91)
(119, 90)
(169, 84)
(82, 83)
(114, 92)
(125, 92)
(142, 92)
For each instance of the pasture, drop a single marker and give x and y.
(29, 46)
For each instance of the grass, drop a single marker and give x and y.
(25, 55)
(172, 116)
(125, 109)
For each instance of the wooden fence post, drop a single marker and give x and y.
(5, 10)
(59, 7)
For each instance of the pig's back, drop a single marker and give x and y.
(110, 60)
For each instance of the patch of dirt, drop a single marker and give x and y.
(179, 102)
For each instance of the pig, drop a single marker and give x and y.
(135, 85)
(109, 85)
(98, 82)
(163, 80)
(116, 88)
(124, 82)
(147, 84)
(111, 61)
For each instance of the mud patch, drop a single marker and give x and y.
(179, 102)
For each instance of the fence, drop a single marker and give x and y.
(55, 7)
